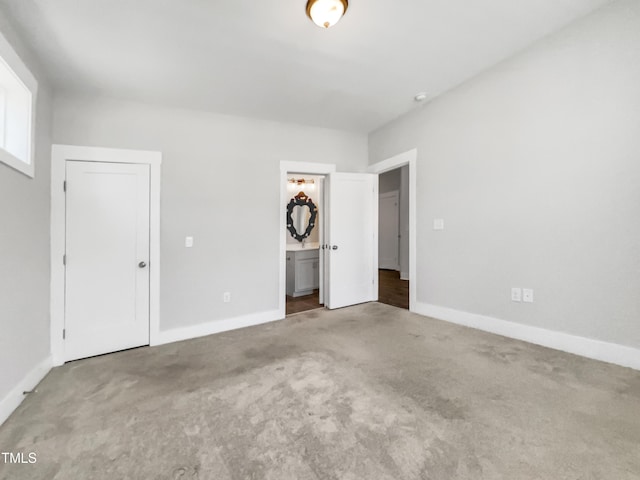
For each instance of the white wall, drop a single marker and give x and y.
(535, 167)
(24, 254)
(221, 185)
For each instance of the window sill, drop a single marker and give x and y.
(17, 164)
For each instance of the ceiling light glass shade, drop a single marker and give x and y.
(326, 13)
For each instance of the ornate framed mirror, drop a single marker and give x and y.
(301, 216)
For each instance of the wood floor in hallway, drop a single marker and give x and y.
(392, 290)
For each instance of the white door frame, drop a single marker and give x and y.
(407, 158)
(285, 169)
(59, 156)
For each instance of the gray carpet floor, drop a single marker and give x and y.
(367, 392)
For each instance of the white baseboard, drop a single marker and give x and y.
(395, 268)
(404, 275)
(586, 347)
(217, 326)
(14, 398)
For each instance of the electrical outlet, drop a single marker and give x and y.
(527, 295)
(438, 224)
(188, 242)
(226, 297)
(516, 294)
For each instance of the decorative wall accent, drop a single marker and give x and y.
(299, 222)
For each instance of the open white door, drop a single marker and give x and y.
(353, 239)
(321, 251)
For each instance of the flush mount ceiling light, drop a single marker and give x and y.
(326, 13)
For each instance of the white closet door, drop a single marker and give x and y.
(107, 256)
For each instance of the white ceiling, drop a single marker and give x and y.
(265, 59)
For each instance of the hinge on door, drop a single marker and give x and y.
(64, 259)
(64, 186)
(64, 333)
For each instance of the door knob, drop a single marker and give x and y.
(335, 247)
(142, 265)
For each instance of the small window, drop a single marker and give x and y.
(18, 89)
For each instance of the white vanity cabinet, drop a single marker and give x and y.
(302, 271)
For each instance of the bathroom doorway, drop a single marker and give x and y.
(347, 223)
(304, 226)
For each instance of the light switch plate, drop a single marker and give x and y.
(516, 294)
(438, 224)
(188, 242)
(527, 295)
(226, 297)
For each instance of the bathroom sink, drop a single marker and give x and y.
(307, 246)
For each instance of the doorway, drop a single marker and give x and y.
(304, 224)
(393, 237)
(397, 279)
(105, 255)
(348, 244)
